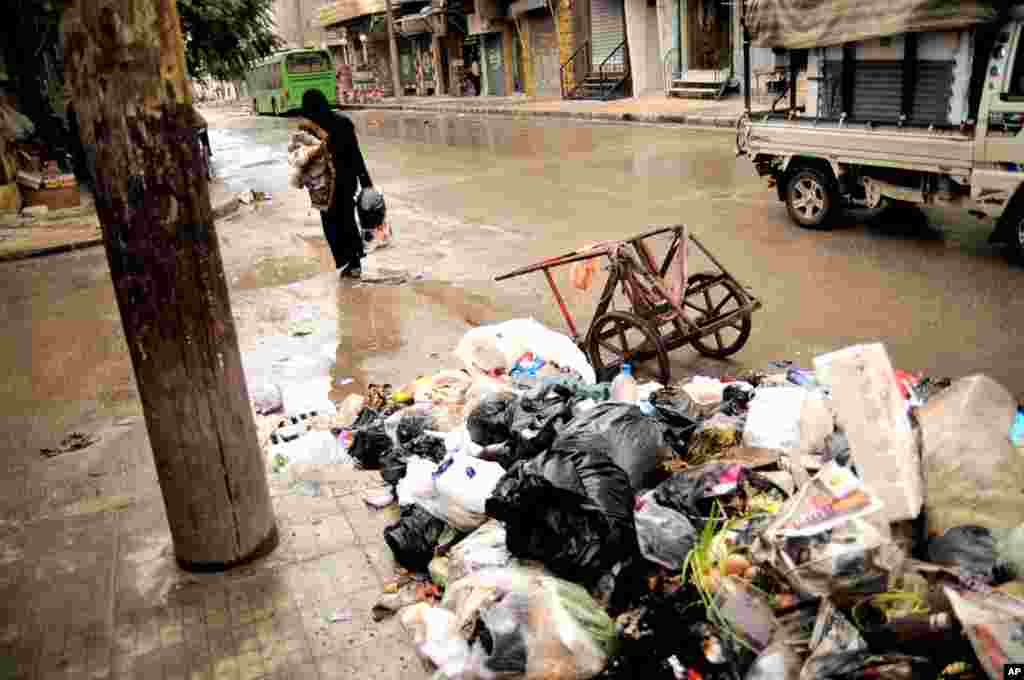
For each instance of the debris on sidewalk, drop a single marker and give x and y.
(76, 441)
(739, 527)
(339, 616)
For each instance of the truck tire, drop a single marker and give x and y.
(1015, 234)
(811, 198)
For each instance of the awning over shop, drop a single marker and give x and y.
(413, 25)
(523, 6)
(427, 20)
(799, 24)
(345, 10)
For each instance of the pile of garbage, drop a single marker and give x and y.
(845, 520)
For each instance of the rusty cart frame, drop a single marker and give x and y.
(709, 310)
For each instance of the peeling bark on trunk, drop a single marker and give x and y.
(125, 68)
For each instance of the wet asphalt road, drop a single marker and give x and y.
(472, 197)
(927, 284)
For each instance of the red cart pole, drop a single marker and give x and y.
(561, 305)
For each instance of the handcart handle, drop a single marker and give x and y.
(579, 255)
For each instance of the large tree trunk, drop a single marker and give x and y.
(125, 68)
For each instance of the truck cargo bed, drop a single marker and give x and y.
(928, 150)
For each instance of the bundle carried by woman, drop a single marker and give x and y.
(312, 167)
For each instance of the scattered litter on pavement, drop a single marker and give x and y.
(307, 487)
(301, 328)
(381, 500)
(76, 441)
(757, 527)
(267, 399)
(339, 616)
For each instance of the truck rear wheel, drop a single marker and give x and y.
(811, 198)
(1015, 234)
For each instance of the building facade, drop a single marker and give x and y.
(296, 22)
(431, 37)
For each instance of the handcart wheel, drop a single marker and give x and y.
(718, 300)
(619, 337)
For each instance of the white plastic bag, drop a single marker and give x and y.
(418, 484)
(705, 392)
(309, 396)
(459, 442)
(485, 548)
(496, 348)
(437, 639)
(774, 418)
(467, 481)
(419, 487)
(565, 633)
(315, 448)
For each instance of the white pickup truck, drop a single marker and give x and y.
(821, 164)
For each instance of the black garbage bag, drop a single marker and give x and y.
(412, 424)
(666, 637)
(426, 446)
(393, 466)
(488, 422)
(573, 511)
(693, 492)
(413, 538)
(620, 431)
(974, 550)
(736, 398)
(538, 416)
(678, 427)
(370, 445)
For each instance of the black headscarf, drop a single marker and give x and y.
(316, 108)
(348, 159)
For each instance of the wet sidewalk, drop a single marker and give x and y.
(24, 235)
(90, 588)
(649, 108)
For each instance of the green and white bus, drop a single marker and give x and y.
(277, 83)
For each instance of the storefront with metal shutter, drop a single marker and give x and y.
(923, 77)
(607, 31)
(494, 63)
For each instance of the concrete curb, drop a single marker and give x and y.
(703, 121)
(31, 253)
(219, 212)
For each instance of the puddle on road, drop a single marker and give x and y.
(382, 333)
(401, 332)
(277, 271)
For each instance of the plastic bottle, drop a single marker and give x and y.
(624, 386)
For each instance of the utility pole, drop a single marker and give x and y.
(301, 41)
(393, 46)
(125, 69)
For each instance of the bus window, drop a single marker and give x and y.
(275, 76)
(312, 62)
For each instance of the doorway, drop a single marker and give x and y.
(709, 24)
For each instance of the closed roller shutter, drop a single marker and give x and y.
(934, 92)
(607, 31)
(878, 88)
